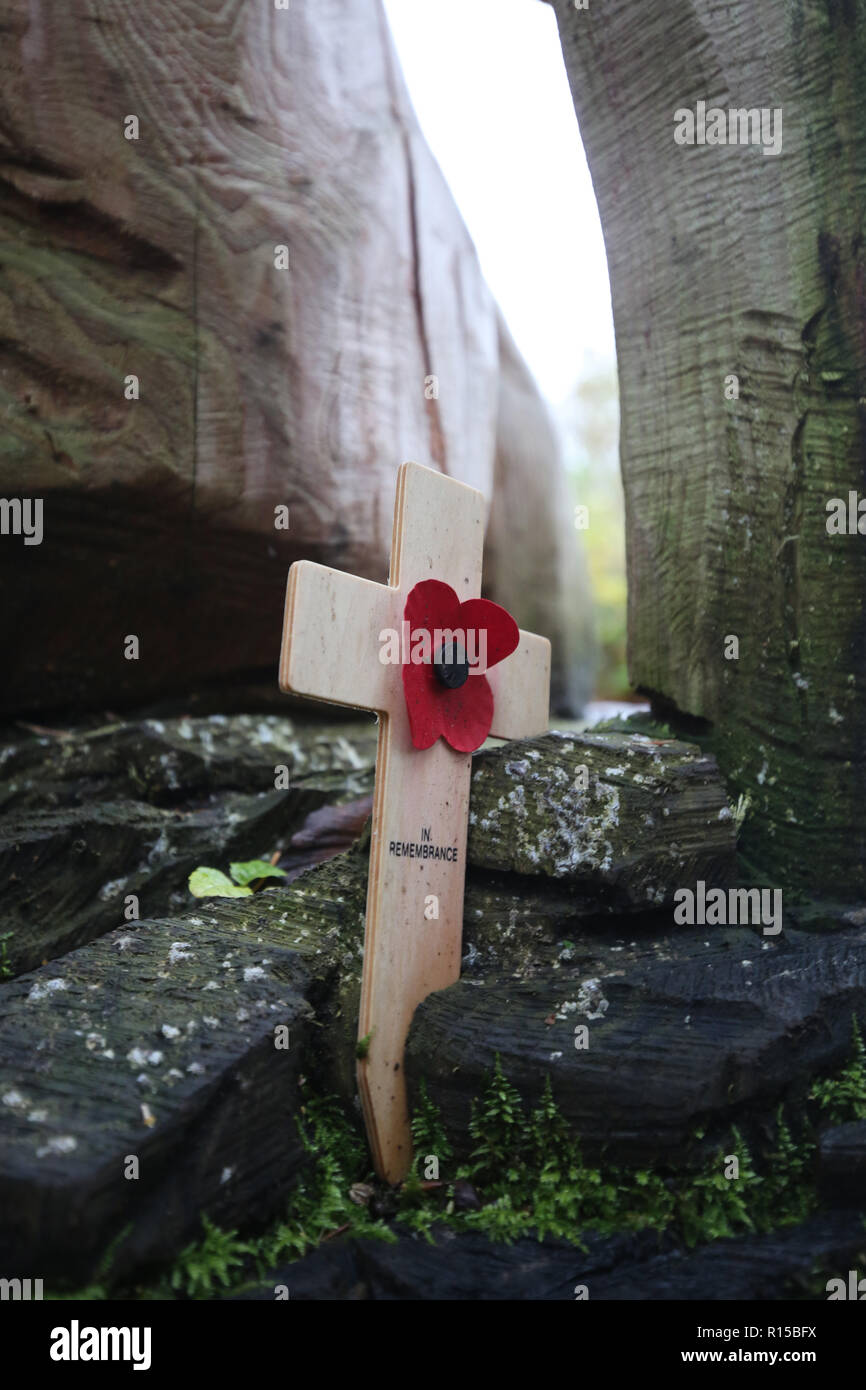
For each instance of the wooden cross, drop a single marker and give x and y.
(332, 646)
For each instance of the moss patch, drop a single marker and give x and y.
(525, 1176)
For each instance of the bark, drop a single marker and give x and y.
(725, 261)
(259, 387)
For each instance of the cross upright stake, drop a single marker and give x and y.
(332, 650)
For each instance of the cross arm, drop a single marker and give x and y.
(330, 648)
(521, 689)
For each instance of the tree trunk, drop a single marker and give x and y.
(729, 262)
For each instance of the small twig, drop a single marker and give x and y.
(41, 729)
(338, 1232)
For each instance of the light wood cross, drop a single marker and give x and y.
(332, 641)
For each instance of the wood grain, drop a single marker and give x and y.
(751, 266)
(259, 387)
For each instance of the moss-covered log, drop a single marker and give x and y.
(172, 761)
(647, 1036)
(741, 347)
(141, 1085)
(636, 815)
(134, 808)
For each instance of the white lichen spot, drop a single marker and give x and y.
(43, 989)
(169, 1031)
(254, 972)
(179, 952)
(60, 1144)
(111, 889)
(141, 1057)
(225, 1175)
(13, 1099)
(591, 1001)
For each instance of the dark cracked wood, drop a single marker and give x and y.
(89, 817)
(697, 1027)
(159, 1045)
(468, 1266)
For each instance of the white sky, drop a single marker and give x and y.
(488, 84)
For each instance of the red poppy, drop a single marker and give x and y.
(444, 696)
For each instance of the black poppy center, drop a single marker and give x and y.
(451, 666)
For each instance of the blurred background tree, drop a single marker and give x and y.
(589, 425)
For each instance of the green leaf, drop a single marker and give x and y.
(213, 883)
(254, 868)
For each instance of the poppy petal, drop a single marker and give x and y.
(503, 634)
(425, 724)
(463, 716)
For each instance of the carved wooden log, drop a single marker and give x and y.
(695, 1028)
(278, 262)
(635, 1267)
(741, 352)
(88, 818)
(637, 815)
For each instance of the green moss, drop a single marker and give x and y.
(428, 1131)
(843, 1097)
(534, 1181)
(205, 1264)
(527, 1169)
